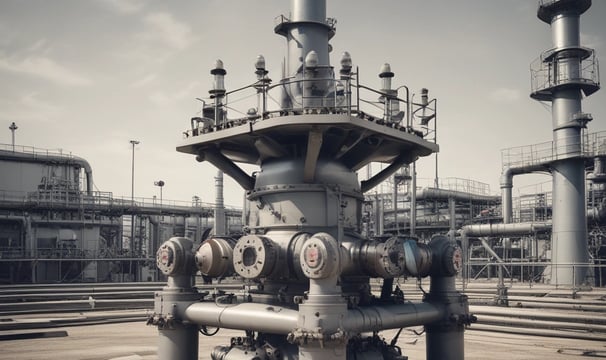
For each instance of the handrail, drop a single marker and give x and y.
(591, 145)
(99, 198)
(337, 98)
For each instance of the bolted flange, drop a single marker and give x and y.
(254, 256)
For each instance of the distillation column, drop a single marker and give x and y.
(561, 79)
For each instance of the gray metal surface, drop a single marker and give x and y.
(569, 233)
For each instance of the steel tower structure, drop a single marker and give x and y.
(563, 74)
(305, 267)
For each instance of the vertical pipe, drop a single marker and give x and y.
(381, 215)
(219, 211)
(452, 210)
(445, 339)
(394, 201)
(506, 196)
(413, 199)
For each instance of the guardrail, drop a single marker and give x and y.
(590, 145)
(98, 199)
(534, 272)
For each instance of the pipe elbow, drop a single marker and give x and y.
(507, 178)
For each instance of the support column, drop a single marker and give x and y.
(445, 340)
(178, 339)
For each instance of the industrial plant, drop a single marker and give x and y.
(314, 236)
(55, 227)
(338, 240)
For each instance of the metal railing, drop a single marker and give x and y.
(98, 200)
(536, 272)
(591, 145)
(69, 253)
(34, 150)
(336, 96)
(553, 72)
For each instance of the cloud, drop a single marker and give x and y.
(143, 81)
(125, 7)
(30, 108)
(504, 95)
(162, 98)
(46, 68)
(163, 27)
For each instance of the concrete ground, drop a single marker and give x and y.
(136, 341)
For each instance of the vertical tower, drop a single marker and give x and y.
(562, 75)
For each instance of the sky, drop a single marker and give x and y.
(88, 76)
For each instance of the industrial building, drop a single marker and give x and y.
(55, 227)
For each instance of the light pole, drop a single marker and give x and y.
(12, 128)
(132, 198)
(160, 184)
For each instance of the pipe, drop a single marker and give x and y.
(252, 316)
(374, 318)
(49, 159)
(280, 320)
(513, 229)
(490, 251)
(385, 173)
(500, 266)
(227, 166)
(219, 211)
(507, 184)
(435, 193)
(598, 213)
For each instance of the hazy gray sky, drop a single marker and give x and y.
(88, 76)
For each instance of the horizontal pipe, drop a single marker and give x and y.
(434, 193)
(249, 316)
(512, 229)
(539, 332)
(280, 320)
(540, 324)
(375, 318)
(594, 318)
